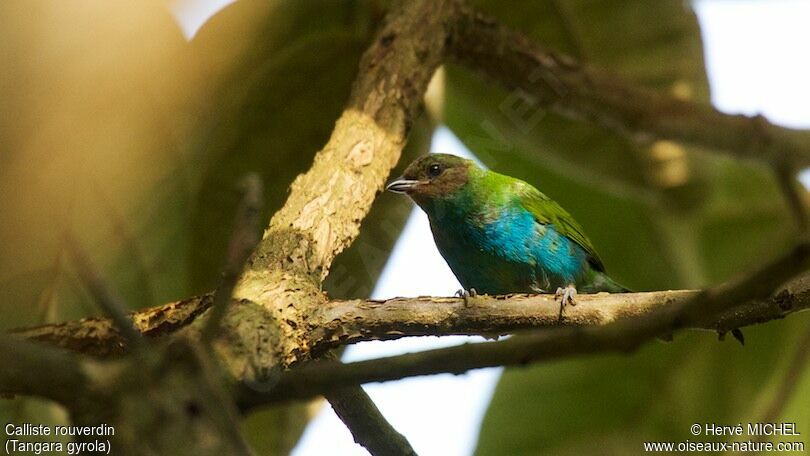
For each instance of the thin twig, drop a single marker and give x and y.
(47, 299)
(795, 194)
(246, 234)
(109, 302)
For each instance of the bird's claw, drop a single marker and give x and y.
(567, 296)
(466, 295)
(736, 332)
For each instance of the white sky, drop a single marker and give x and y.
(758, 61)
(192, 14)
(758, 57)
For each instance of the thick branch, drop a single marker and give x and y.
(322, 215)
(326, 204)
(623, 335)
(576, 90)
(345, 322)
(340, 323)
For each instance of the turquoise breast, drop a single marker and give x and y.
(508, 253)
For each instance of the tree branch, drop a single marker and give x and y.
(623, 335)
(346, 322)
(368, 426)
(322, 215)
(99, 336)
(573, 89)
(340, 323)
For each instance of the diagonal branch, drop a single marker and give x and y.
(577, 90)
(368, 426)
(326, 204)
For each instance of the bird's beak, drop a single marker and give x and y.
(402, 185)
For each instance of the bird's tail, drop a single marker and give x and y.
(602, 282)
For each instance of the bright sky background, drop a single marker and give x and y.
(757, 61)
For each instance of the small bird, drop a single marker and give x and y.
(499, 234)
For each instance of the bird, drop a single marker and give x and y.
(499, 234)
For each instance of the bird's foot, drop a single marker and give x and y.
(567, 296)
(466, 295)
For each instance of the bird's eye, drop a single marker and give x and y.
(434, 170)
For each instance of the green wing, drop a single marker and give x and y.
(547, 212)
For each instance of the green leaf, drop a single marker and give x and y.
(91, 91)
(610, 404)
(96, 88)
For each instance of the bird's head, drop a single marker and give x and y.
(432, 177)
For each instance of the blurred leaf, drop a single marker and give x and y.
(795, 409)
(276, 430)
(90, 92)
(95, 88)
(611, 404)
(660, 214)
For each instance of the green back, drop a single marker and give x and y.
(548, 212)
(545, 210)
